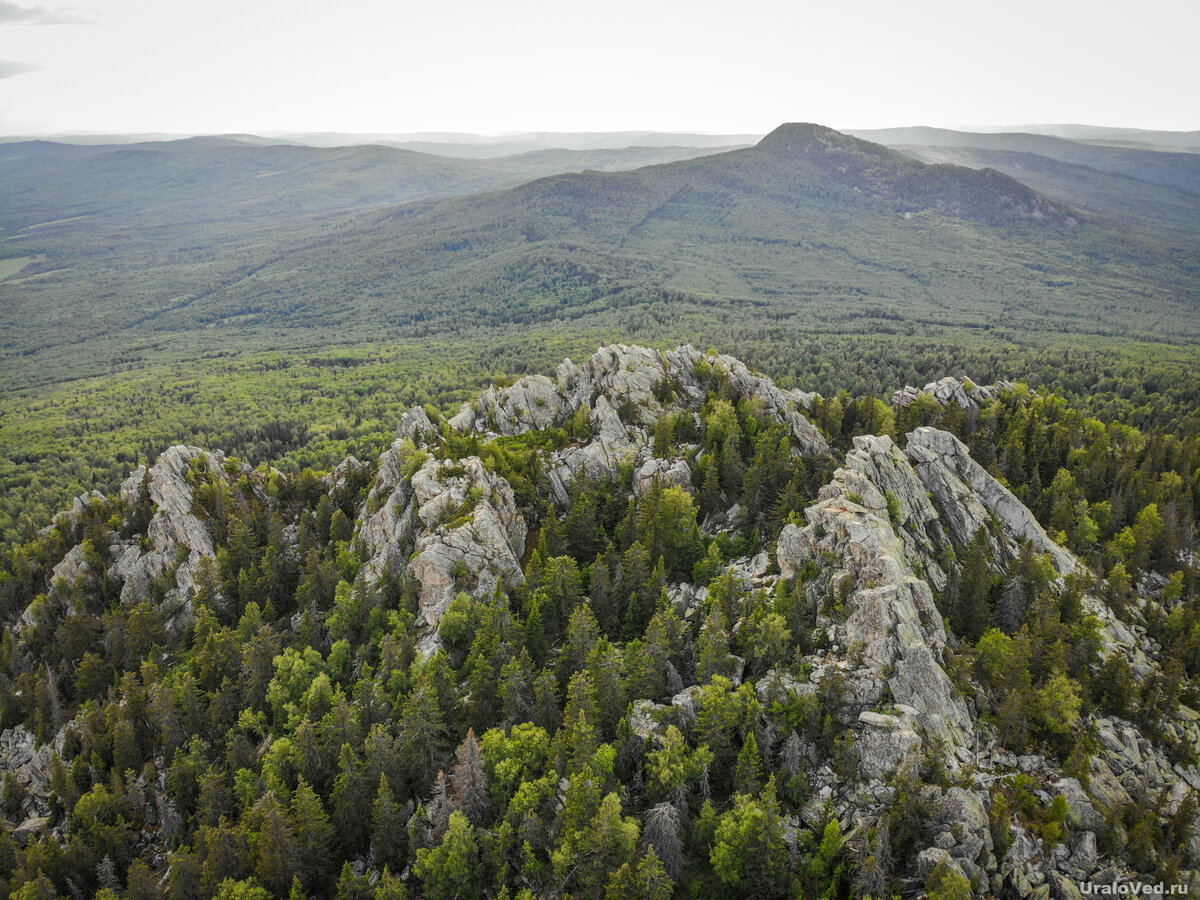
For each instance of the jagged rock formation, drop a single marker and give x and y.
(453, 526)
(892, 637)
(968, 495)
(29, 764)
(626, 390)
(177, 538)
(950, 390)
(874, 556)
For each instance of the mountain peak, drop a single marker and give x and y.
(806, 137)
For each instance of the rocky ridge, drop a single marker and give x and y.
(874, 550)
(625, 391)
(950, 390)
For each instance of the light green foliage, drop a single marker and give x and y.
(946, 883)
(645, 881)
(749, 854)
(674, 765)
(242, 890)
(594, 848)
(451, 870)
(514, 757)
(294, 674)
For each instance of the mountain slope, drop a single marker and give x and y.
(216, 179)
(1174, 169)
(1106, 193)
(809, 229)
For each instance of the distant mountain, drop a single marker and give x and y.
(809, 230)
(228, 178)
(1180, 140)
(478, 146)
(1096, 190)
(1156, 166)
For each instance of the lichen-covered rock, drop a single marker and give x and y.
(415, 426)
(1081, 813)
(893, 632)
(533, 403)
(612, 444)
(668, 473)
(178, 539)
(626, 390)
(454, 526)
(950, 390)
(29, 764)
(885, 743)
(791, 551)
(883, 480)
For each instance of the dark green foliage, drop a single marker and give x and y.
(289, 752)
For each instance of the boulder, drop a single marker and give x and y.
(884, 744)
(1081, 814)
(668, 473)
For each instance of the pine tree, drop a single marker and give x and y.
(748, 775)
(710, 489)
(314, 836)
(389, 838)
(350, 804)
(648, 880)
(422, 735)
(972, 610)
(451, 870)
(274, 850)
(732, 467)
(593, 847)
(712, 650)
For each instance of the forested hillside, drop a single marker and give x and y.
(219, 292)
(656, 627)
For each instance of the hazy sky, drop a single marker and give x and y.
(398, 66)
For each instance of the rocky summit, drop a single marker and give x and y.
(678, 629)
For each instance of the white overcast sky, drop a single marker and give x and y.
(212, 66)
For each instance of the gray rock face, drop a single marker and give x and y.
(966, 494)
(948, 390)
(29, 764)
(892, 632)
(1081, 813)
(415, 426)
(178, 539)
(881, 476)
(667, 473)
(885, 743)
(454, 526)
(532, 404)
(611, 445)
(626, 389)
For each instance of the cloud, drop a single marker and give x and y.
(14, 14)
(12, 69)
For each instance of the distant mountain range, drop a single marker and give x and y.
(230, 242)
